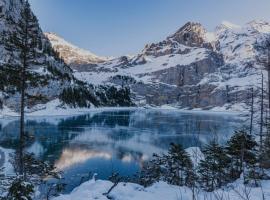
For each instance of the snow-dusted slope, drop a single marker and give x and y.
(72, 55)
(192, 68)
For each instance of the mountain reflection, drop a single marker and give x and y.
(75, 156)
(109, 141)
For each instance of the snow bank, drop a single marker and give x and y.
(94, 190)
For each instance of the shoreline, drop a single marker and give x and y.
(58, 112)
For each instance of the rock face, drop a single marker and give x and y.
(192, 68)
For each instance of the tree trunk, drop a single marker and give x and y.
(22, 135)
(268, 71)
(262, 109)
(23, 88)
(251, 111)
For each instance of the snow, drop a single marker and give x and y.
(230, 25)
(196, 155)
(210, 37)
(7, 112)
(260, 25)
(94, 190)
(4, 161)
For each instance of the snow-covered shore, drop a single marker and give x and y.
(54, 108)
(94, 190)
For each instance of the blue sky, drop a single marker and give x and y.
(120, 27)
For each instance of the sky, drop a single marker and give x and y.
(122, 27)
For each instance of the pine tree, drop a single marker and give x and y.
(20, 190)
(27, 30)
(152, 171)
(212, 171)
(266, 151)
(241, 149)
(179, 166)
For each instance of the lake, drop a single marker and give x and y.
(114, 141)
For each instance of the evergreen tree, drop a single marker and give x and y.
(179, 166)
(27, 30)
(266, 151)
(20, 190)
(152, 171)
(241, 149)
(175, 168)
(212, 171)
(24, 45)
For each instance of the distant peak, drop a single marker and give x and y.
(258, 21)
(191, 34)
(260, 26)
(230, 25)
(191, 26)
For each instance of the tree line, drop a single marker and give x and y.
(218, 166)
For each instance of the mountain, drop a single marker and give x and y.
(49, 78)
(192, 68)
(77, 58)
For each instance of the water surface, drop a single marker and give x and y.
(114, 141)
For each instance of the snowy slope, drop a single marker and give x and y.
(93, 190)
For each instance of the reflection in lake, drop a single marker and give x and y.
(114, 141)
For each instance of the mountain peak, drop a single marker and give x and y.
(72, 54)
(190, 27)
(191, 34)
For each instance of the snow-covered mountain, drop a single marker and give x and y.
(49, 78)
(72, 55)
(192, 68)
